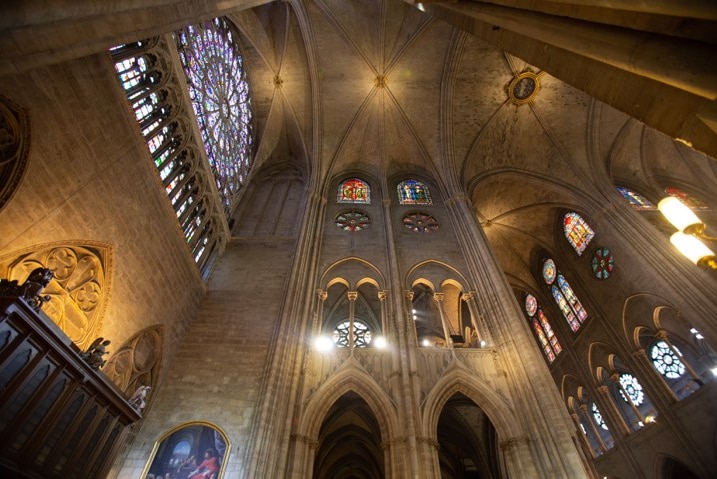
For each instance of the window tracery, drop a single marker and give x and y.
(636, 200)
(155, 95)
(541, 326)
(219, 92)
(566, 299)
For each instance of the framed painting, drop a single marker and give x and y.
(196, 450)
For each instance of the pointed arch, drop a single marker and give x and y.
(350, 378)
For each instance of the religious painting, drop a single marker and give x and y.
(354, 190)
(196, 450)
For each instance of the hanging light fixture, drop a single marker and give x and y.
(691, 230)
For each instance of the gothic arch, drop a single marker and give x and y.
(343, 268)
(350, 378)
(457, 380)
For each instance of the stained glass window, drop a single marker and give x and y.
(219, 91)
(546, 337)
(549, 271)
(531, 305)
(636, 200)
(352, 221)
(420, 222)
(361, 335)
(144, 81)
(632, 387)
(564, 296)
(354, 190)
(666, 361)
(573, 300)
(412, 192)
(690, 201)
(577, 232)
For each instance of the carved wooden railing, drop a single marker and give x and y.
(58, 416)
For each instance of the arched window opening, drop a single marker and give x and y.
(687, 199)
(541, 327)
(591, 423)
(674, 363)
(413, 192)
(629, 397)
(430, 330)
(636, 200)
(577, 231)
(566, 299)
(354, 190)
(352, 319)
(219, 91)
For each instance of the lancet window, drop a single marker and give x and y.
(566, 299)
(541, 327)
(577, 231)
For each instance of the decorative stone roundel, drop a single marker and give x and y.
(420, 222)
(602, 263)
(523, 88)
(14, 147)
(353, 221)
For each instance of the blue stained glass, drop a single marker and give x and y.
(636, 200)
(413, 192)
(573, 300)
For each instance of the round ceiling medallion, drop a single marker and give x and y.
(420, 222)
(523, 88)
(602, 263)
(352, 221)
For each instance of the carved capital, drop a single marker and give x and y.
(322, 294)
(409, 295)
(383, 294)
(352, 295)
(468, 295)
(639, 353)
(439, 296)
(661, 334)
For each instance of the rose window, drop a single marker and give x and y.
(352, 221)
(420, 222)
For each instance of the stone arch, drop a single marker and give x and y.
(354, 270)
(351, 378)
(496, 407)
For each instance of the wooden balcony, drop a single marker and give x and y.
(58, 416)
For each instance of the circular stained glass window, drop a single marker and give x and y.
(666, 361)
(353, 221)
(361, 335)
(531, 304)
(598, 417)
(549, 271)
(632, 387)
(420, 222)
(219, 92)
(602, 263)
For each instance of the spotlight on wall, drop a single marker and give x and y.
(380, 342)
(425, 343)
(323, 344)
(650, 419)
(714, 371)
(691, 230)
